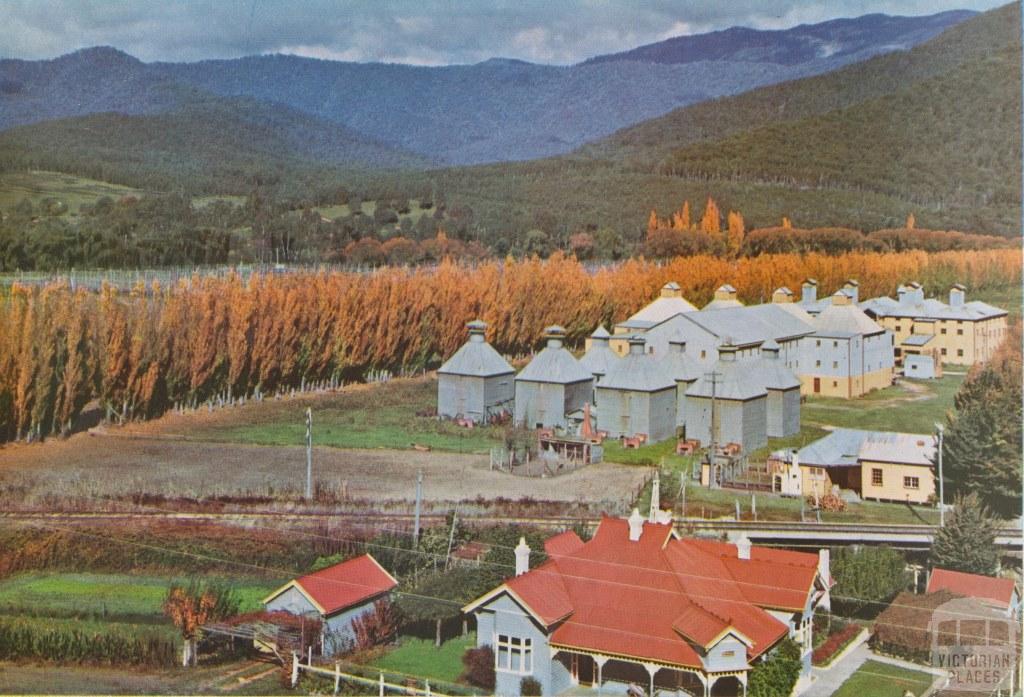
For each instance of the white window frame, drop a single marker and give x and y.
(523, 646)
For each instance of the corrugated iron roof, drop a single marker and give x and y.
(638, 372)
(845, 319)
(556, 365)
(661, 309)
(931, 308)
(651, 598)
(906, 448)
(346, 584)
(917, 339)
(477, 359)
(997, 590)
(599, 358)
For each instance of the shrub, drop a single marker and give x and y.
(376, 627)
(776, 675)
(530, 687)
(479, 663)
(835, 643)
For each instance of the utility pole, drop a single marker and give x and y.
(713, 447)
(416, 522)
(309, 453)
(942, 498)
(451, 537)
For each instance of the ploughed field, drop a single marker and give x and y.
(364, 438)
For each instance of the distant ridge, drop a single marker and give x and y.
(862, 38)
(498, 110)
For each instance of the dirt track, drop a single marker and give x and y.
(93, 465)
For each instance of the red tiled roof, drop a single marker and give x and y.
(563, 543)
(657, 597)
(997, 590)
(346, 584)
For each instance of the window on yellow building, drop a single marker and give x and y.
(876, 476)
(959, 332)
(960, 352)
(943, 330)
(911, 482)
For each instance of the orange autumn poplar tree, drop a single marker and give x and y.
(213, 339)
(711, 221)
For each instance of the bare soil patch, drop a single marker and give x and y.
(125, 465)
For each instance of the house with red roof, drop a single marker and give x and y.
(638, 604)
(1000, 593)
(336, 595)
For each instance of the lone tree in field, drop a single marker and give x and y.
(192, 606)
(967, 541)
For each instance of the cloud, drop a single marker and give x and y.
(427, 32)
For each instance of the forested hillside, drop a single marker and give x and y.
(206, 144)
(951, 142)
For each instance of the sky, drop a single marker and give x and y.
(418, 32)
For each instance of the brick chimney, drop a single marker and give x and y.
(522, 557)
(636, 525)
(743, 546)
(809, 290)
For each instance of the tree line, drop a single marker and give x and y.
(143, 352)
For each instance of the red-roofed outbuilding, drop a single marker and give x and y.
(336, 595)
(1001, 593)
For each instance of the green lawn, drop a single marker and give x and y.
(100, 594)
(421, 658)
(874, 679)
(374, 416)
(70, 190)
(913, 406)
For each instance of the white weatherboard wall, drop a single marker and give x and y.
(472, 396)
(337, 629)
(504, 616)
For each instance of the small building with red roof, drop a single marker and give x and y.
(1000, 593)
(336, 595)
(640, 605)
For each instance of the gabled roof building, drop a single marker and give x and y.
(637, 396)
(337, 596)
(849, 354)
(476, 383)
(639, 604)
(668, 304)
(552, 385)
(880, 465)
(966, 332)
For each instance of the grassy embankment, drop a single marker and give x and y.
(371, 416)
(876, 679)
